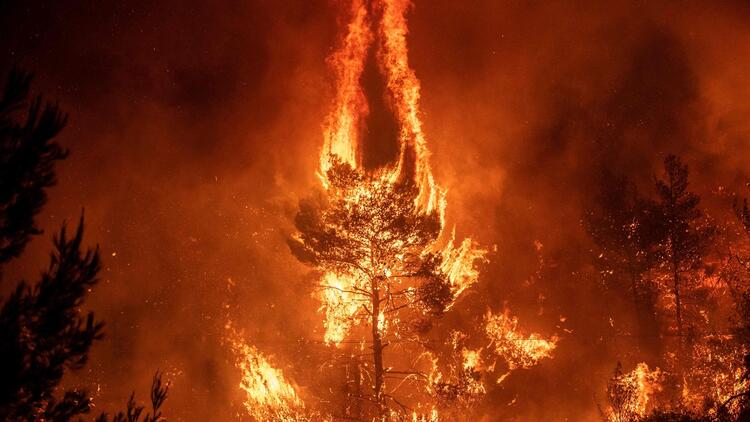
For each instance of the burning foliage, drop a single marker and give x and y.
(268, 395)
(518, 350)
(629, 394)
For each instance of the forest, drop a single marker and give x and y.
(374, 210)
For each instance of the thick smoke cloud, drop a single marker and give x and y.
(195, 128)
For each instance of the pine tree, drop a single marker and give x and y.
(687, 234)
(368, 232)
(620, 223)
(28, 153)
(43, 333)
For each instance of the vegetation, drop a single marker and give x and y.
(43, 333)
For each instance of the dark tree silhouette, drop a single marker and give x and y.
(28, 153)
(687, 233)
(741, 329)
(133, 412)
(621, 224)
(43, 333)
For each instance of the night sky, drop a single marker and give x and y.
(194, 129)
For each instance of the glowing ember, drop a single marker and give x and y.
(716, 373)
(518, 350)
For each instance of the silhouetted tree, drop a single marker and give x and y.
(42, 334)
(687, 233)
(28, 153)
(621, 224)
(741, 329)
(133, 412)
(42, 330)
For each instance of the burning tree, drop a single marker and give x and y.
(388, 266)
(629, 394)
(621, 224)
(382, 268)
(686, 233)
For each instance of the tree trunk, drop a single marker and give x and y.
(377, 350)
(677, 300)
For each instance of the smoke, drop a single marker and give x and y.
(195, 128)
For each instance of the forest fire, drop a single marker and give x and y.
(379, 236)
(629, 394)
(518, 350)
(269, 396)
(375, 211)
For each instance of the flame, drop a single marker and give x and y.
(339, 306)
(343, 124)
(268, 395)
(341, 136)
(459, 264)
(635, 390)
(405, 94)
(518, 350)
(646, 383)
(472, 358)
(341, 132)
(431, 417)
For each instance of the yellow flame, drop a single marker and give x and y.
(472, 358)
(518, 350)
(432, 416)
(459, 264)
(268, 395)
(342, 125)
(638, 386)
(339, 306)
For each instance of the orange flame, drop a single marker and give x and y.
(350, 106)
(637, 387)
(341, 132)
(268, 395)
(518, 350)
(339, 305)
(341, 137)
